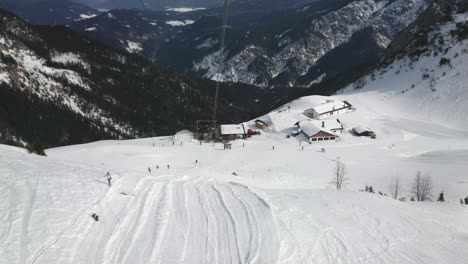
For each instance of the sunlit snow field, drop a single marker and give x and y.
(278, 208)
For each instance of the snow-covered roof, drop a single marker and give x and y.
(361, 129)
(325, 108)
(328, 124)
(309, 128)
(313, 127)
(233, 129)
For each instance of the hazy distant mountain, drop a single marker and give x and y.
(161, 4)
(49, 12)
(137, 31)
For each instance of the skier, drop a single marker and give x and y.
(149, 169)
(196, 161)
(167, 166)
(157, 167)
(109, 178)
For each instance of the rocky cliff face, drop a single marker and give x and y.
(288, 53)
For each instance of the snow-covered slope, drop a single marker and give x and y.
(252, 204)
(428, 81)
(278, 207)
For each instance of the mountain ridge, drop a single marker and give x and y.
(78, 90)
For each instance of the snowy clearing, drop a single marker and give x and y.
(83, 16)
(133, 47)
(185, 9)
(178, 23)
(91, 29)
(69, 58)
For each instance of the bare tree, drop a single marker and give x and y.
(426, 188)
(422, 186)
(394, 188)
(339, 175)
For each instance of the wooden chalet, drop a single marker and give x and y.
(364, 132)
(261, 124)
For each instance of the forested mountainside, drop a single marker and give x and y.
(58, 88)
(137, 31)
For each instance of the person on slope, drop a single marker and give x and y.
(109, 178)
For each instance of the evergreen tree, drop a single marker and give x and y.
(441, 197)
(37, 148)
(371, 189)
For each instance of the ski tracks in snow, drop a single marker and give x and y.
(156, 219)
(181, 220)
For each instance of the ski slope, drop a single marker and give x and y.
(278, 207)
(265, 201)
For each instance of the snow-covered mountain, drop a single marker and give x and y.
(269, 199)
(49, 12)
(286, 48)
(163, 4)
(239, 7)
(58, 87)
(138, 31)
(269, 44)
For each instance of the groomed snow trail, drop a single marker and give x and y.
(169, 219)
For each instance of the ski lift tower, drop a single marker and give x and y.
(207, 129)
